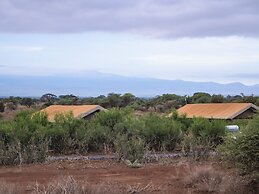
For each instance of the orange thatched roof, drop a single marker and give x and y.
(78, 111)
(216, 110)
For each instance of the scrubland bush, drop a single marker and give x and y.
(212, 131)
(195, 147)
(161, 133)
(130, 148)
(203, 137)
(186, 123)
(22, 140)
(117, 130)
(62, 133)
(242, 150)
(97, 137)
(112, 117)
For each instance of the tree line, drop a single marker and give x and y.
(160, 103)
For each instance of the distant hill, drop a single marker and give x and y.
(99, 83)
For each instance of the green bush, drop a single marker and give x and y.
(212, 131)
(35, 150)
(107, 130)
(63, 133)
(22, 140)
(242, 150)
(58, 139)
(98, 137)
(112, 117)
(161, 133)
(9, 154)
(130, 148)
(202, 137)
(186, 122)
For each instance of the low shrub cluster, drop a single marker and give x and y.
(29, 137)
(22, 140)
(201, 136)
(242, 150)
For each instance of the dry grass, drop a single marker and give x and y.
(234, 185)
(138, 188)
(65, 185)
(7, 188)
(68, 185)
(202, 179)
(205, 180)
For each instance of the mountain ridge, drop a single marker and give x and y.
(99, 83)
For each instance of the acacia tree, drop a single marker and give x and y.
(217, 98)
(127, 98)
(48, 98)
(68, 99)
(201, 97)
(27, 102)
(113, 100)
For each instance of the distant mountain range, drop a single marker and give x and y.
(94, 84)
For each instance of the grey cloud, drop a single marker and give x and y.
(159, 18)
(246, 75)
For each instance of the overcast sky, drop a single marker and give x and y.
(200, 40)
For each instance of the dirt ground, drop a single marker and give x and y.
(163, 176)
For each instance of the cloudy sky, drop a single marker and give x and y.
(199, 40)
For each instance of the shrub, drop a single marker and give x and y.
(186, 122)
(195, 147)
(161, 132)
(17, 153)
(9, 154)
(202, 137)
(22, 140)
(243, 150)
(62, 133)
(211, 131)
(35, 151)
(129, 148)
(201, 127)
(98, 136)
(112, 117)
